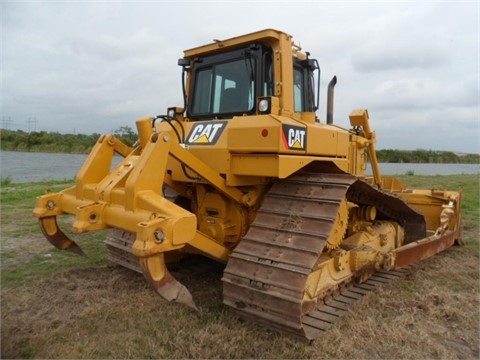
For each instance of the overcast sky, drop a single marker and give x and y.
(91, 67)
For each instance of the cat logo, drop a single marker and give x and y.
(294, 137)
(205, 133)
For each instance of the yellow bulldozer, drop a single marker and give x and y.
(247, 174)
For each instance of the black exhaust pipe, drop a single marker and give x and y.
(331, 85)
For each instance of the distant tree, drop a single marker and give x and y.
(126, 134)
(470, 158)
(425, 156)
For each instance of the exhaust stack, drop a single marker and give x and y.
(331, 85)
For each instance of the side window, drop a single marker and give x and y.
(298, 89)
(202, 97)
(304, 83)
(268, 75)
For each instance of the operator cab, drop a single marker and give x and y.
(228, 84)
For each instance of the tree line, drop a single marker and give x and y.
(43, 141)
(426, 156)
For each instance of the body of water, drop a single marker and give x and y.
(32, 167)
(426, 169)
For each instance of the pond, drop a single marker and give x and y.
(33, 167)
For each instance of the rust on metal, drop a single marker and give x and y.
(155, 271)
(57, 237)
(423, 249)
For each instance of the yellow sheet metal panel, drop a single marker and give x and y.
(273, 165)
(280, 134)
(327, 140)
(267, 35)
(431, 203)
(254, 134)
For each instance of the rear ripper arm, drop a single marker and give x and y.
(131, 198)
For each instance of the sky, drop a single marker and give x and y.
(95, 66)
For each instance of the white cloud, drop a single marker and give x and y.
(96, 66)
(422, 93)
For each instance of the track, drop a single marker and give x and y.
(333, 307)
(266, 275)
(119, 245)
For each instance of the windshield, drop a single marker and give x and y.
(224, 88)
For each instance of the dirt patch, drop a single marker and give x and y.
(111, 312)
(16, 251)
(59, 309)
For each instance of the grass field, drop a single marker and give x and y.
(58, 305)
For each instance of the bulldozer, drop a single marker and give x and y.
(247, 174)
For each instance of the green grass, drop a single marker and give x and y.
(60, 305)
(44, 266)
(21, 233)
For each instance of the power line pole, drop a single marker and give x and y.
(6, 122)
(34, 122)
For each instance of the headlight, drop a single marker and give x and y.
(264, 105)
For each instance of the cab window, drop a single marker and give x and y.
(225, 88)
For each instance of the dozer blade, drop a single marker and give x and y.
(423, 249)
(157, 274)
(57, 237)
